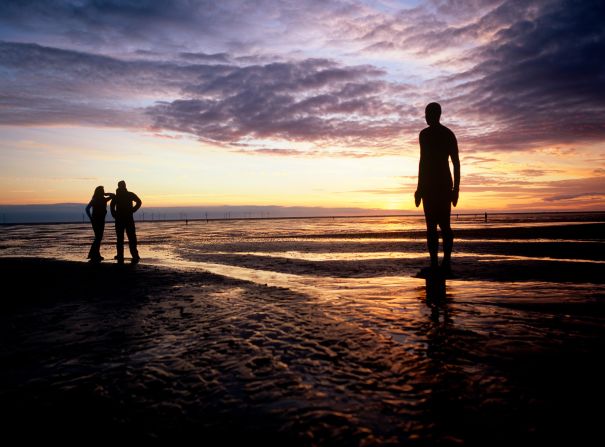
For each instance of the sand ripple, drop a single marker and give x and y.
(172, 355)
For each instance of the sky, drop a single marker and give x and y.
(301, 103)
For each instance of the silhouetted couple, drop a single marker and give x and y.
(123, 206)
(435, 188)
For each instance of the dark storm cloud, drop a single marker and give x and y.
(532, 72)
(541, 80)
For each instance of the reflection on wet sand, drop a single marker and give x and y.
(330, 341)
(435, 286)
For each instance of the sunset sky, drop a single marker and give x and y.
(301, 103)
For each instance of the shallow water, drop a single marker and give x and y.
(376, 269)
(352, 348)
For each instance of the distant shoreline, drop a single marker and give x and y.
(364, 216)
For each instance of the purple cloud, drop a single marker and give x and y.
(311, 100)
(540, 80)
(527, 73)
(521, 74)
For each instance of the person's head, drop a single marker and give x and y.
(432, 113)
(121, 184)
(99, 192)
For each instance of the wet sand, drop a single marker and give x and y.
(510, 354)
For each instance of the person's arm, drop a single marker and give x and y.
(112, 207)
(418, 193)
(137, 203)
(456, 163)
(109, 196)
(88, 208)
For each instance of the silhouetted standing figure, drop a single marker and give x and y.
(435, 188)
(122, 210)
(98, 205)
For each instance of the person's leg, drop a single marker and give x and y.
(120, 241)
(432, 238)
(132, 240)
(101, 231)
(98, 226)
(432, 242)
(448, 236)
(91, 252)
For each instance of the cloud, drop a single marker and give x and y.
(192, 26)
(113, 24)
(560, 190)
(277, 152)
(306, 153)
(41, 85)
(309, 100)
(78, 74)
(537, 172)
(517, 75)
(27, 110)
(548, 191)
(574, 196)
(435, 28)
(474, 160)
(495, 179)
(315, 100)
(511, 76)
(208, 58)
(387, 191)
(540, 78)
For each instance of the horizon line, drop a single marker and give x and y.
(219, 219)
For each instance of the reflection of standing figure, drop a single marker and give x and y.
(122, 210)
(98, 204)
(435, 188)
(435, 287)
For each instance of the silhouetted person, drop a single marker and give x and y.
(435, 188)
(98, 205)
(122, 210)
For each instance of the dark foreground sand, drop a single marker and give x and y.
(95, 353)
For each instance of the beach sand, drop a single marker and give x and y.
(510, 353)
